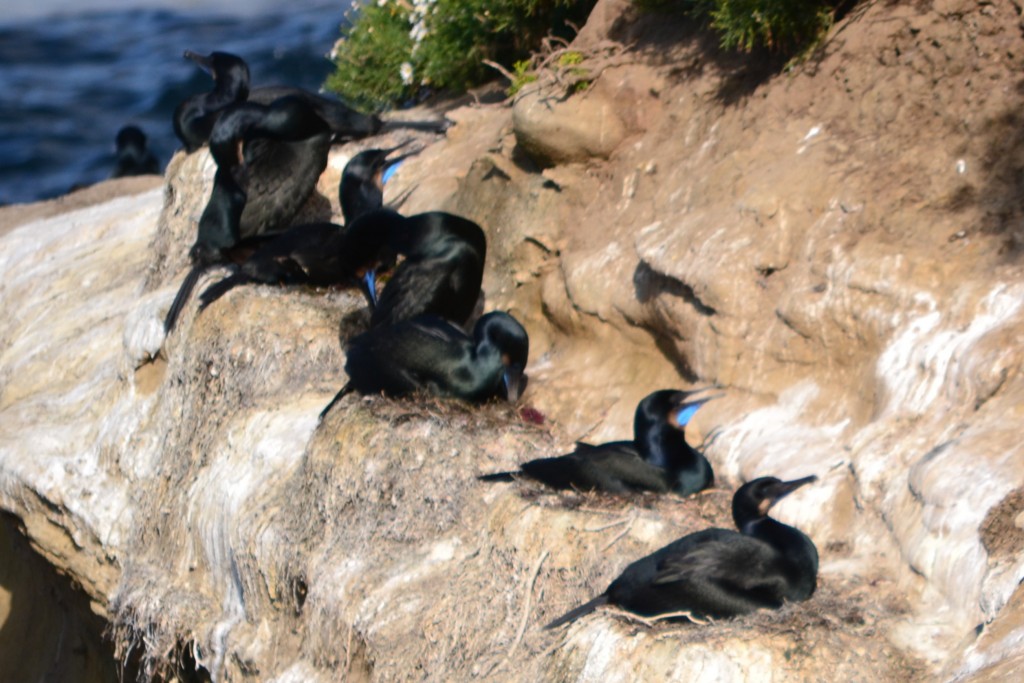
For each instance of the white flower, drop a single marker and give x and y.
(406, 71)
(418, 19)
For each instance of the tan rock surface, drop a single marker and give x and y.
(837, 245)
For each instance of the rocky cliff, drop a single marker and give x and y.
(838, 243)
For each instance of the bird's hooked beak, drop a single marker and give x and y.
(780, 490)
(203, 62)
(685, 412)
(515, 382)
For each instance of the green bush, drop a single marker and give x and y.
(369, 61)
(396, 50)
(783, 26)
(779, 25)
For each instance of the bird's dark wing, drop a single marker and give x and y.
(278, 178)
(614, 467)
(399, 359)
(619, 465)
(306, 253)
(718, 556)
(446, 285)
(344, 121)
(735, 572)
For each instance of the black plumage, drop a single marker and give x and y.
(275, 140)
(270, 145)
(657, 459)
(255, 197)
(429, 354)
(719, 573)
(318, 253)
(442, 270)
(195, 117)
(276, 153)
(133, 156)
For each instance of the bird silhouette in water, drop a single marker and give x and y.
(719, 573)
(430, 354)
(133, 157)
(319, 253)
(442, 270)
(657, 459)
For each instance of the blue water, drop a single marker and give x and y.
(70, 82)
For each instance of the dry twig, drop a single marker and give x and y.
(629, 526)
(652, 621)
(526, 605)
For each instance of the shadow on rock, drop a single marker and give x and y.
(1001, 195)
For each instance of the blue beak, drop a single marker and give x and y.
(370, 288)
(690, 408)
(389, 172)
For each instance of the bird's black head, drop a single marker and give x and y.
(668, 406)
(370, 163)
(365, 249)
(362, 182)
(226, 69)
(130, 136)
(504, 333)
(754, 499)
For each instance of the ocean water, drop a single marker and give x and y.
(71, 79)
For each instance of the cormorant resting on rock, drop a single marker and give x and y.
(719, 573)
(269, 158)
(133, 158)
(657, 459)
(317, 253)
(430, 354)
(270, 145)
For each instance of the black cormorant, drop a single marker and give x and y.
(133, 158)
(195, 116)
(269, 158)
(430, 354)
(719, 573)
(657, 459)
(316, 253)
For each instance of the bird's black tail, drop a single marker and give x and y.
(499, 476)
(219, 289)
(580, 611)
(182, 296)
(345, 390)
